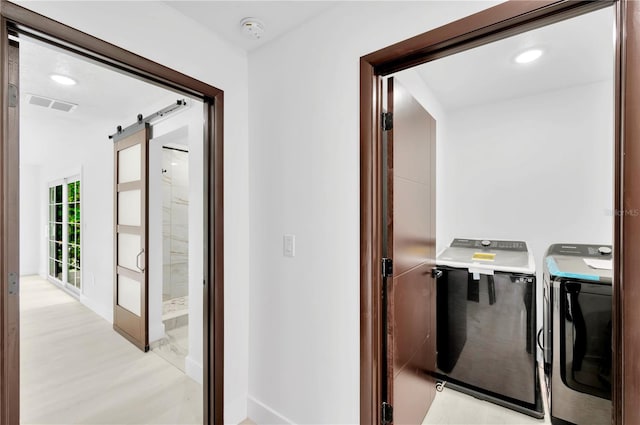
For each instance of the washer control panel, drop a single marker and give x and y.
(518, 246)
(580, 250)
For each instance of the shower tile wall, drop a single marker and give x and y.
(175, 204)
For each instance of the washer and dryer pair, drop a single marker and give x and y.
(486, 322)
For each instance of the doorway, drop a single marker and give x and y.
(22, 23)
(487, 26)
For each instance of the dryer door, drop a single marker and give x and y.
(585, 337)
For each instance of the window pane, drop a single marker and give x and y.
(52, 195)
(59, 213)
(78, 234)
(52, 231)
(58, 270)
(52, 213)
(71, 275)
(59, 194)
(78, 190)
(72, 213)
(71, 255)
(77, 208)
(77, 256)
(72, 234)
(71, 192)
(52, 250)
(58, 256)
(58, 232)
(52, 268)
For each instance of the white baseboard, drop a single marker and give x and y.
(156, 332)
(106, 315)
(193, 369)
(262, 414)
(235, 411)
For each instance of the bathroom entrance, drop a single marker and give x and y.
(175, 237)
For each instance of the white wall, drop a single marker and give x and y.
(184, 45)
(31, 229)
(304, 180)
(537, 168)
(78, 150)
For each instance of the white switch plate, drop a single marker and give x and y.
(289, 245)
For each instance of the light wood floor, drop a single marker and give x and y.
(76, 370)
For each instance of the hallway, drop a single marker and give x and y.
(76, 370)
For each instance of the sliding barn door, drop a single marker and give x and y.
(130, 317)
(410, 243)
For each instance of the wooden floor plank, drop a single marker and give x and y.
(76, 370)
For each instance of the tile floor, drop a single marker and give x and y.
(76, 370)
(453, 407)
(174, 346)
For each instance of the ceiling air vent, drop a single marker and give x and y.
(59, 105)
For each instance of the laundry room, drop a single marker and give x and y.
(523, 149)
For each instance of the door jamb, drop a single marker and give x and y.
(16, 18)
(506, 19)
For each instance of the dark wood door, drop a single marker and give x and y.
(130, 314)
(410, 243)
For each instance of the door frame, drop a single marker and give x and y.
(507, 19)
(18, 19)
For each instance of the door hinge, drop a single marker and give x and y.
(387, 413)
(13, 283)
(436, 273)
(387, 267)
(13, 96)
(387, 121)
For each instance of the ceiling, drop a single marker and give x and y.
(576, 51)
(104, 97)
(223, 17)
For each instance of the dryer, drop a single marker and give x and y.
(577, 332)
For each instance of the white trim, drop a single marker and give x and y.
(193, 369)
(95, 307)
(59, 284)
(156, 332)
(261, 414)
(235, 410)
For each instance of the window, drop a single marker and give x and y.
(64, 232)
(55, 232)
(73, 239)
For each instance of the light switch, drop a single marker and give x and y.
(289, 245)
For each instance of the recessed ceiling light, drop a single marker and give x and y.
(528, 56)
(65, 81)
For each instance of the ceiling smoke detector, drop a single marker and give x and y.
(252, 28)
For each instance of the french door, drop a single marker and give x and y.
(64, 236)
(130, 317)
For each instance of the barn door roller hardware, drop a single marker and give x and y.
(140, 120)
